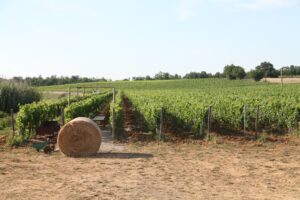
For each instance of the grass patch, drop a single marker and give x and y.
(211, 138)
(18, 140)
(262, 137)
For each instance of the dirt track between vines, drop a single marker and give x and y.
(152, 171)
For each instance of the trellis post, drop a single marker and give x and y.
(161, 124)
(69, 96)
(113, 114)
(257, 122)
(245, 121)
(113, 123)
(209, 121)
(62, 111)
(113, 91)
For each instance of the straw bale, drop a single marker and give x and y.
(80, 137)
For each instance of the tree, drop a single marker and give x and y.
(176, 76)
(138, 78)
(291, 71)
(233, 72)
(256, 75)
(267, 69)
(162, 76)
(218, 75)
(18, 79)
(264, 70)
(194, 75)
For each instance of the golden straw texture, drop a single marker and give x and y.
(80, 137)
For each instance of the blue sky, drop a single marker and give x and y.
(124, 38)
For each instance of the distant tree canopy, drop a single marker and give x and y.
(54, 80)
(166, 76)
(158, 76)
(138, 78)
(267, 69)
(233, 72)
(193, 75)
(291, 71)
(256, 75)
(264, 70)
(218, 75)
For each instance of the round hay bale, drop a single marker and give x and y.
(80, 137)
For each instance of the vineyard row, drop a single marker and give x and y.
(189, 111)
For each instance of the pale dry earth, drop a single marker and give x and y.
(278, 80)
(156, 171)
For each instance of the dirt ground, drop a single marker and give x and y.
(156, 171)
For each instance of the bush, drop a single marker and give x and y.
(4, 123)
(14, 94)
(18, 140)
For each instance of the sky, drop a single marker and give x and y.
(117, 39)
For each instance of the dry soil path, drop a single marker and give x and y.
(107, 144)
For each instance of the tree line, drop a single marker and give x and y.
(231, 72)
(54, 80)
(264, 70)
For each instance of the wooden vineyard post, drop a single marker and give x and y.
(209, 121)
(69, 96)
(281, 71)
(161, 124)
(257, 122)
(113, 123)
(77, 92)
(62, 116)
(245, 121)
(12, 121)
(113, 91)
(113, 114)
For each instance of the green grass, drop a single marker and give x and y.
(158, 84)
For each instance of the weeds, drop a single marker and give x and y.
(262, 137)
(18, 140)
(210, 138)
